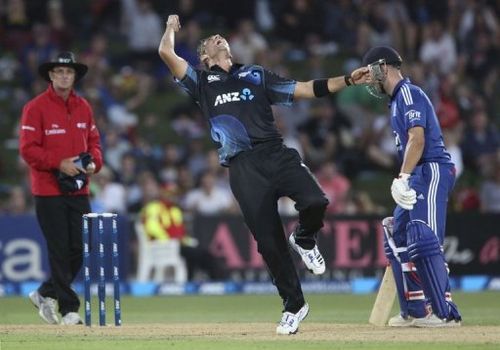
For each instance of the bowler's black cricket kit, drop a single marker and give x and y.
(238, 108)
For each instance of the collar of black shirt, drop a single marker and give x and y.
(234, 68)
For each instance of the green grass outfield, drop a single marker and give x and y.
(336, 321)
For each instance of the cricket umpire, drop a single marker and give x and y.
(236, 101)
(60, 143)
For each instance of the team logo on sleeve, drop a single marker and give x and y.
(413, 115)
(235, 96)
(253, 77)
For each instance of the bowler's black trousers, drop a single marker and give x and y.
(60, 219)
(258, 178)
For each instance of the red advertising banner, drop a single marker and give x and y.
(353, 246)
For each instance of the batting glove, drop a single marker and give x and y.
(401, 192)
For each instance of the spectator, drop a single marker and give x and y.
(188, 42)
(131, 96)
(481, 142)
(208, 199)
(196, 157)
(290, 139)
(17, 25)
(171, 160)
(61, 34)
(42, 49)
(96, 57)
(298, 19)
(110, 195)
(144, 30)
(163, 219)
(380, 152)
(17, 203)
(452, 142)
(360, 203)
(490, 191)
(315, 135)
(115, 146)
(247, 44)
(438, 48)
(336, 187)
(341, 22)
(374, 29)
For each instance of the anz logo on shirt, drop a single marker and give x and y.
(244, 95)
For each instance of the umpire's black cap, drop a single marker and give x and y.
(387, 53)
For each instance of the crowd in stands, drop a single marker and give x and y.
(152, 133)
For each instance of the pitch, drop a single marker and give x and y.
(247, 322)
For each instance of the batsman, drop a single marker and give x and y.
(414, 235)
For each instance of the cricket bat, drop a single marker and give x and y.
(385, 300)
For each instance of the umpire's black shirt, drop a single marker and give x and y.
(238, 104)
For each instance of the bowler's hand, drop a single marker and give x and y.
(68, 167)
(361, 76)
(174, 23)
(401, 192)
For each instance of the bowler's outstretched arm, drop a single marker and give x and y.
(177, 65)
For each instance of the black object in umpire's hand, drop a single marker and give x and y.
(69, 184)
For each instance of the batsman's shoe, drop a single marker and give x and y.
(400, 321)
(312, 258)
(46, 307)
(71, 318)
(432, 321)
(289, 323)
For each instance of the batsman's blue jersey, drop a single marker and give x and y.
(237, 105)
(434, 176)
(410, 107)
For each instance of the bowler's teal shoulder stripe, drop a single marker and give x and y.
(286, 89)
(191, 74)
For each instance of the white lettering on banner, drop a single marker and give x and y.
(22, 260)
(494, 284)
(55, 131)
(453, 255)
(26, 127)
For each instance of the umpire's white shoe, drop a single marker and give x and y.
(71, 318)
(432, 321)
(400, 321)
(46, 307)
(289, 323)
(312, 258)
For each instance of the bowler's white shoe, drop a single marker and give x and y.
(400, 321)
(46, 307)
(289, 323)
(71, 318)
(312, 258)
(432, 321)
